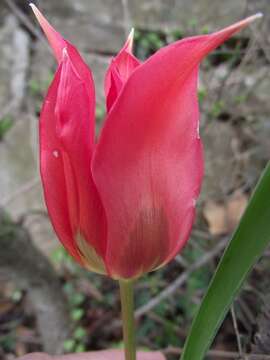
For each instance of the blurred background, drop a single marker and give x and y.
(49, 303)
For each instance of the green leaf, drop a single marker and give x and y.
(80, 348)
(246, 246)
(77, 314)
(6, 124)
(79, 333)
(69, 345)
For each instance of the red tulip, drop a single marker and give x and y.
(125, 205)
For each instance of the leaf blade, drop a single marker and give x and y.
(246, 246)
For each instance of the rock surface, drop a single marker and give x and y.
(95, 25)
(262, 6)
(13, 69)
(219, 180)
(185, 14)
(20, 187)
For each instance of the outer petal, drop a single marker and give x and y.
(65, 151)
(53, 172)
(119, 71)
(66, 148)
(148, 163)
(58, 45)
(55, 39)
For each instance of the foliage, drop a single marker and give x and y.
(6, 124)
(247, 245)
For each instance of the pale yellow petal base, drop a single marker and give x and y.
(90, 258)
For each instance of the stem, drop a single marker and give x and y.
(127, 304)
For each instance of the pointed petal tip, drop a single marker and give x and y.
(35, 10)
(55, 39)
(240, 24)
(131, 34)
(130, 40)
(254, 17)
(243, 23)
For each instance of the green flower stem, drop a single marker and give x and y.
(127, 304)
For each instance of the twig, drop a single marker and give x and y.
(200, 234)
(168, 291)
(181, 261)
(160, 320)
(32, 212)
(262, 336)
(237, 334)
(24, 20)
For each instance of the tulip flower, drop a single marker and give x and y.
(124, 205)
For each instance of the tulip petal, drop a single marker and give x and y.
(120, 69)
(66, 141)
(55, 39)
(53, 172)
(62, 47)
(148, 164)
(59, 44)
(66, 148)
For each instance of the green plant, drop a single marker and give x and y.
(246, 246)
(6, 124)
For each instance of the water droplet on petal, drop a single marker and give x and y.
(198, 130)
(65, 53)
(56, 153)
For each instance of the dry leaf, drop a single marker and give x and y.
(223, 218)
(236, 206)
(215, 215)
